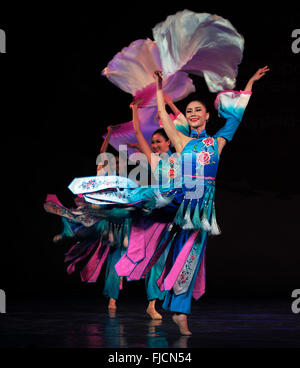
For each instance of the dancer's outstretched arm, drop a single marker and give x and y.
(106, 140)
(103, 150)
(260, 73)
(170, 103)
(178, 139)
(143, 144)
(232, 123)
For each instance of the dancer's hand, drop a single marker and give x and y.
(260, 73)
(157, 75)
(136, 103)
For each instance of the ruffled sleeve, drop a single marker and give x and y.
(181, 124)
(231, 105)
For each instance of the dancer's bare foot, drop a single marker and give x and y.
(57, 238)
(181, 322)
(152, 311)
(112, 303)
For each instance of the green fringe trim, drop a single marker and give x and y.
(187, 216)
(118, 214)
(101, 225)
(215, 230)
(204, 219)
(196, 217)
(179, 218)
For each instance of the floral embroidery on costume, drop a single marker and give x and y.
(187, 272)
(203, 158)
(91, 184)
(172, 173)
(205, 150)
(209, 141)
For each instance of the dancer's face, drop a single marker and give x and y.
(196, 115)
(159, 143)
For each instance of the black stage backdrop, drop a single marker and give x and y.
(55, 108)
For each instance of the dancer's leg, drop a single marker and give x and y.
(57, 238)
(153, 291)
(181, 304)
(112, 280)
(181, 320)
(112, 303)
(152, 311)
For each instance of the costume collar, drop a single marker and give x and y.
(195, 134)
(163, 154)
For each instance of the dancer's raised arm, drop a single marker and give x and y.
(106, 140)
(260, 73)
(143, 144)
(170, 103)
(160, 142)
(103, 150)
(178, 139)
(231, 106)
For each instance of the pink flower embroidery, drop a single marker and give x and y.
(203, 158)
(208, 141)
(192, 258)
(172, 173)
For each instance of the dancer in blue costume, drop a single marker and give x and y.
(207, 150)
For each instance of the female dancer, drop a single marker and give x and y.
(208, 151)
(160, 144)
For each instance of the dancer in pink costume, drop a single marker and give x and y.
(106, 240)
(160, 145)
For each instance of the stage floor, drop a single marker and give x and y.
(77, 322)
